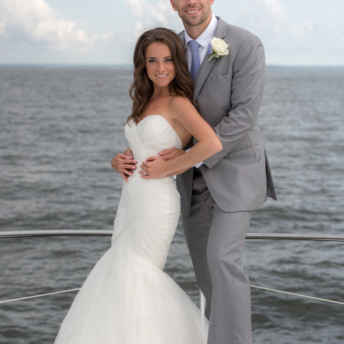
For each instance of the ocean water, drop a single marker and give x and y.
(59, 129)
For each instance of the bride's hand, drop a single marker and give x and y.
(124, 164)
(153, 168)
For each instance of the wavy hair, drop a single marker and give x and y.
(141, 90)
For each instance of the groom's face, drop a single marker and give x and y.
(193, 12)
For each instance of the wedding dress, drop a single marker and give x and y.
(127, 298)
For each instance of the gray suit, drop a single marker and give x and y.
(218, 202)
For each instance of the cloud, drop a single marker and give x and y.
(274, 20)
(287, 35)
(151, 15)
(266, 13)
(36, 22)
(2, 29)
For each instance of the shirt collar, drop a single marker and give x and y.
(204, 38)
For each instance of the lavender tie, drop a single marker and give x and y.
(196, 60)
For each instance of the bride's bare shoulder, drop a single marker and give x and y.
(178, 102)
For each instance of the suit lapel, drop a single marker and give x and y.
(207, 66)
(202, 75)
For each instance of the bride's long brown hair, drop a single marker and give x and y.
(141, 90)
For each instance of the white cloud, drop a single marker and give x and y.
(286, 35)
(136, 6)
(2, 29)
(35, 21)
(266, 13)
(150, 15)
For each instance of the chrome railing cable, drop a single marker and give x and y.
(93, 232)
(40, 295)
(260, 236)
(202, 300)
(298, 295)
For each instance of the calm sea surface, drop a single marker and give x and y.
(59, 129)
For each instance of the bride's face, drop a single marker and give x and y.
(159, 64)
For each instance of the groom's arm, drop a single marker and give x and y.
(246, 96)
(172, 153)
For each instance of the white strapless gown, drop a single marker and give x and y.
(127, 298)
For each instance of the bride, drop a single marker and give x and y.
(127, 298)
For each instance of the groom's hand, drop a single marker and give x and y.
(124, 164)
(154, 168)
(171, 153)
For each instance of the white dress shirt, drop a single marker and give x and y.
(203, 40)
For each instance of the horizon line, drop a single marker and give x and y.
(123, 65)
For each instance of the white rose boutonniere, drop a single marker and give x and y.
(217, 48)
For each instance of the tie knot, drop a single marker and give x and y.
(194, 45)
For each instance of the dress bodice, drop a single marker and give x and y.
(150, 136)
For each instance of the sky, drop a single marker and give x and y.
(104, 32)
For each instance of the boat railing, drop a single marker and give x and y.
(250, 236)
(98, 232)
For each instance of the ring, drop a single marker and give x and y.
(144, 173)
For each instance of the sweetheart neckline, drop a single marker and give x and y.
(137, 125)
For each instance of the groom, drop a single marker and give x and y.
(218, 198)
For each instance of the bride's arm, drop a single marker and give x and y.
(207, 144)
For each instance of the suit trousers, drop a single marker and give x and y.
(215, 240)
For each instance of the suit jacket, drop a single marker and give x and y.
(228, 92)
